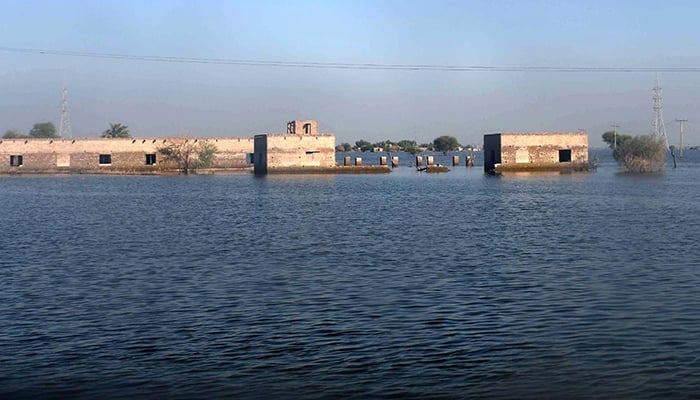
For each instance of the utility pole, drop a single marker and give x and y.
(614, 135)
(680, 152)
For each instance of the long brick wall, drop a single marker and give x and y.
(124, 155)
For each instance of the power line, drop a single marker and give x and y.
(340, 65)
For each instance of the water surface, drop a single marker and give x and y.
(400, 285)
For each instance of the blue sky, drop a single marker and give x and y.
(159, 99)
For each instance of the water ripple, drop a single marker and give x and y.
(360, 287)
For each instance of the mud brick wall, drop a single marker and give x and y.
(127, 155)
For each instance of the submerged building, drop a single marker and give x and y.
(111, 155)
(539, 151)
(301, 149)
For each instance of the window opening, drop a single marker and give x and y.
(565, 155)
(105, 158)
(16, 161)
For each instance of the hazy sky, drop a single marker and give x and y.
(159, 99)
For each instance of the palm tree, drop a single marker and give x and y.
(116, 131)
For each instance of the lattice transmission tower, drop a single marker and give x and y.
(658, 129)
(65, 129)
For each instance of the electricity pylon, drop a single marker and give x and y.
(658, 129)
(65, 129)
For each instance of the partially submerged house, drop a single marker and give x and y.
(301, 149)
(539, 151)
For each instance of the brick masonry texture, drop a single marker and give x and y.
(127, 155)
(535, 151)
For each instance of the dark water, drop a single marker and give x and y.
(402, 285)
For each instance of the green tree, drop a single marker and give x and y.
(637, 154)
(642, 154)
(408, 145)
(116, 131)
(189, 155)
(43, 130)
(613, 139)
(12, 134)
(344, 147)
(363, 145)
(445, 144)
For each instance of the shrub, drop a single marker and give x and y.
(641, 154)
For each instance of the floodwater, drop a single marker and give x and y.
(370, 286)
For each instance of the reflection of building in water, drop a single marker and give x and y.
(535, 151)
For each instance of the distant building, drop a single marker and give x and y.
(301, 149)
(539, 151)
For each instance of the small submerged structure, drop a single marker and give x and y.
(538, 151)
(430, 165)
(470, 160)
(433, 168)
